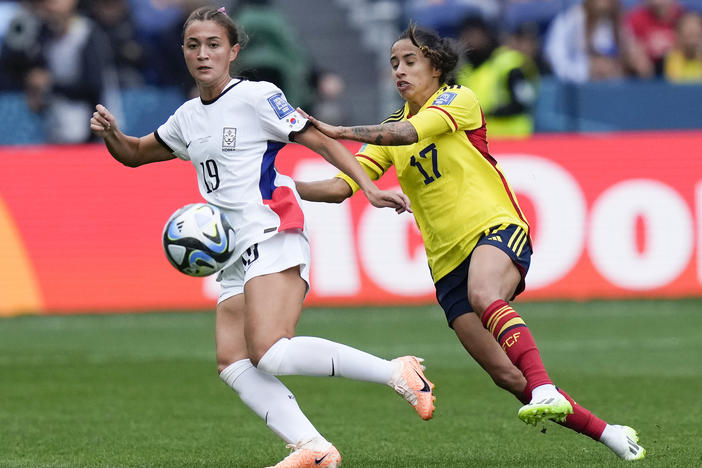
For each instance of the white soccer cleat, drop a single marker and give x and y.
(624, 442)
(554, 407)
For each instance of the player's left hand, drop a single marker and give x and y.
(389, 199)
(103, 124)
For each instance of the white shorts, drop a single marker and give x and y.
(284, 250)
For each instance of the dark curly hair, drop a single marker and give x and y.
(440, 51)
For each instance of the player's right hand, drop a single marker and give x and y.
(103, 123)
(332, 131)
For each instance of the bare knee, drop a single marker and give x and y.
(481, 297)
(258, 348)
(254, 353)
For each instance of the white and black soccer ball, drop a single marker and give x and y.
(198, 239)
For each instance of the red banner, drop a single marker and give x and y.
(613, 216)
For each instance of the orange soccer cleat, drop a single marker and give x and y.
(307, 455)
(409, 381)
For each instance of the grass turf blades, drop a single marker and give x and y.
(140, 390)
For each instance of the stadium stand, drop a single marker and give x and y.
(347, 37)
(692, 5)
(20, 126)
(538, 12)
(351, 39)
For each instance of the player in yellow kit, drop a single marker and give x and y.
(475, 235)
(449, 162)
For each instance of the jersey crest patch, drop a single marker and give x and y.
(280, 106)
(228, 139)
(444, 99)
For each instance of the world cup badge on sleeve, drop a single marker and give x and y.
(280, 106)
(444, 99)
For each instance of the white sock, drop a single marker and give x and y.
(306, 355)
(271, 401)
(543, 392)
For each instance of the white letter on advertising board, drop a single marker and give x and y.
(334, 270)
(560, 211)
(385, 253)
(668, 235)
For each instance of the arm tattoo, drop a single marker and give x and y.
(389, 134)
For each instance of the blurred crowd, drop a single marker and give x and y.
(508, 46)
(67, 55)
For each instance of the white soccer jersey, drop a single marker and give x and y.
(233, 141)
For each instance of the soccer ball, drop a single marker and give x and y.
(198, 239)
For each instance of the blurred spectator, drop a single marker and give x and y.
(537, 13)
(327, 105)
(63, 62)
(114, 18)
(155, 16)
(164, 43)
(683, 63)
(8, 10)
(587, 42)
(504, 79)
(526, 38)
(20, 51)
(445, 16)
(652, 26)
(272, 52)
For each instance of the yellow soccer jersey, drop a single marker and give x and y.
(457, 190)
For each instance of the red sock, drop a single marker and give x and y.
(514, 336)
(582, 420)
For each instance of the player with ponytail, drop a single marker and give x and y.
(477, 239)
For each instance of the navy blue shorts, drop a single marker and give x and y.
(452, 289)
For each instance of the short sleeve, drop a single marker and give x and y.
(373, 159)
(278, 117)
(454, 109)
(170, 135)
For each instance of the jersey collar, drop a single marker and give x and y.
(230, 85)
(428, 103)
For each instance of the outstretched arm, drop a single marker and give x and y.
(342, 159)
(387, 134)
(130, 151)
(332, 190)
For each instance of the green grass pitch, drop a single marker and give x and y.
(141, 390)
